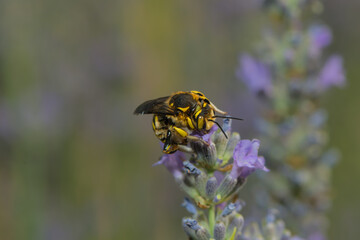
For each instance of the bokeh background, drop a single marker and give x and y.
(75, 163)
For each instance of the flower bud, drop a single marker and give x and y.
(237, 222)
(189, 206)
(272, 214)
(228, 209)
(226, 187)
(192, 223)
(211, 188)
(194, 230)
(270, 231)
(202, 234)
(253, 232)
(219, 231)
(228, 153)
(190, 169)
(190, 226)
(206, 152)
(200, 184)
(192, 192)
(220, 139)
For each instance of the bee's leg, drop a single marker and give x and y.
(197, 139)
(185, 149)
(201, 148)
(190, 139)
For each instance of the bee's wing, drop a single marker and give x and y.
(155, 106)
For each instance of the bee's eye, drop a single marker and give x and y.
(207, 101)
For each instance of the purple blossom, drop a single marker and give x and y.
(207, 137)
(246, 159)
(320, 36)
(173, 163)
(317, 236)
(255, 75)
(332, 74)
(219, 176)
(221, 205)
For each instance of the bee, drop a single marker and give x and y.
(180, 114)
(194, 111)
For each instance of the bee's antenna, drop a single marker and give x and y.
(219, 127)
(229, 117)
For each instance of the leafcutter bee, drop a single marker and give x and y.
(178, 115)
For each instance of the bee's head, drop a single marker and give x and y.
(169, 145)
(202, 113)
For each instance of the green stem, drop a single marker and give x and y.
(212, 219)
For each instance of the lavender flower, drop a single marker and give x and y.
(274, 229)
(293, 128)
(246, 159)
(319, 36)
(317, 236)
(212, 186)
(255, 75)
(332, 74)
(207, 137)
(206, 177)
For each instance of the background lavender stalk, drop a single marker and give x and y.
(212, 178)
(288, 71)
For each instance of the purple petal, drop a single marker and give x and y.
(221, 205)
(320, 37)
(246, 159)
(173, 162)
(253, 151)
(245, 150)
(254, 74)
(219, 176)
(260, 164)
(207, 136)
(332, 73)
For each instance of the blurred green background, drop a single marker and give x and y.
(75, 163)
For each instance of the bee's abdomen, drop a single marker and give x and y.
(160, 126)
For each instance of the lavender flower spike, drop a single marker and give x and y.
(332, 73)
(246, 159)
(173, 163)
(255, 75)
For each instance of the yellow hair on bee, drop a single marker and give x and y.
(181, 132)
(189, 122)
(184, 109)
